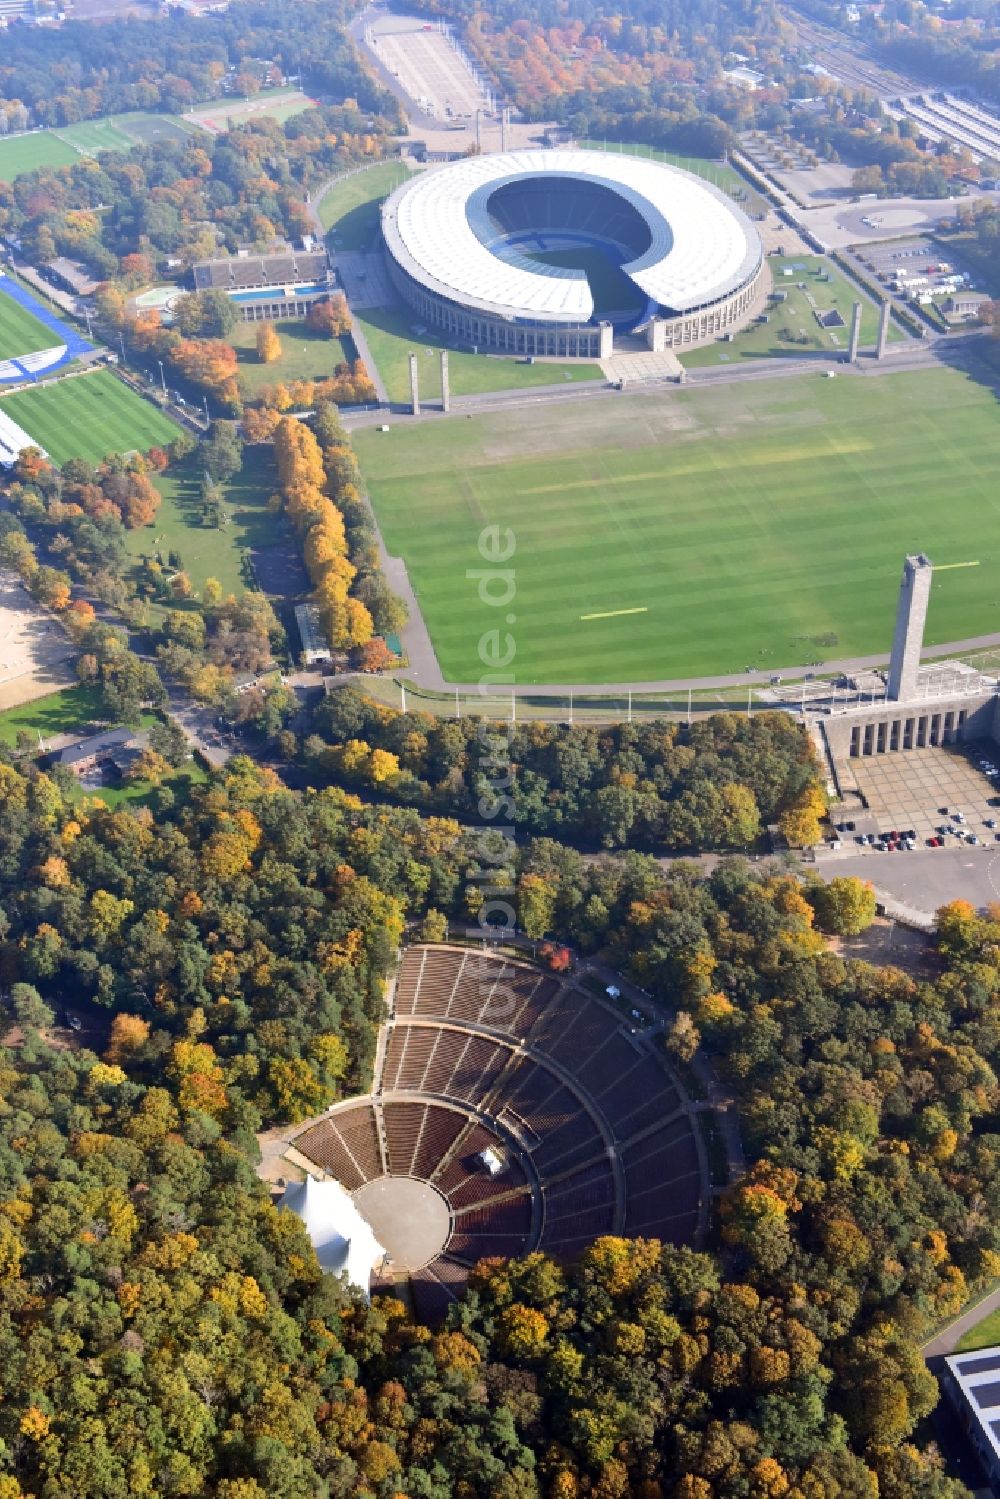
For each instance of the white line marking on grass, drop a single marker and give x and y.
(614, 613)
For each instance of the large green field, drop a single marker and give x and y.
(89, 417)
(391, 340)
(698, 531)
(61, 712)
(26, 153)
(20, 331)
(60, 148)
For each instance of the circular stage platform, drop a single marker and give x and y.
(409, 1218)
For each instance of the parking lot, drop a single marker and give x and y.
(915, 267)
(927, 789)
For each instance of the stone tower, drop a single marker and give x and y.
(911, 616)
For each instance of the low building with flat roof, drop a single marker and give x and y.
(314, 645)
(972, 1383)
(266, 287)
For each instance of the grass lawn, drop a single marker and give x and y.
(26, 153)
(350, 208)
(304, 355)
(792, 328)
(391, 342)
(20, 330)
(59, 713)
(983, 1335)
(140, 793)
(204, 551)
(673, 535)
(88, 417)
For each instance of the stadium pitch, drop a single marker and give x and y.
(754, 524)
(88, 417)
(20, 331)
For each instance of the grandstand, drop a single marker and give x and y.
(469, 247)
(588, 1131)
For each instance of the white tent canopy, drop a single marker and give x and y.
(13, 440)
(343, 1241)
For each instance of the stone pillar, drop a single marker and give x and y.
(445, 390)
(855, 343)
(656, 335)
(911, 615)
(414, 386)
(607, 341)
(883, 329)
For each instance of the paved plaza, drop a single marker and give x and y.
(909, 788)
(409, 1218)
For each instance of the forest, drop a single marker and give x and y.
(125, 213)
(648, 785)
(164, 1331)
(78, 71)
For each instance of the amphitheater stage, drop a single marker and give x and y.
(408, 1217)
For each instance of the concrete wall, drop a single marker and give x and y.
(918, 724)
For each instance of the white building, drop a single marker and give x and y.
(343, 1241)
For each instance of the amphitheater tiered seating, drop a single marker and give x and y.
(420, 1042)
(477, 1069)
(480, 1187)
(476, 1138)
(403, 1125)
(359, 1133)
(408, 979)
(485, 1053)
(332, 1145)
(441, 1128)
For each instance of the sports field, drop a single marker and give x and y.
(26, 153)
(698, 531)
(60, 148)
(88, 417)
(20, 333)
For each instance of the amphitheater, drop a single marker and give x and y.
(494, 250)
(584, 1129)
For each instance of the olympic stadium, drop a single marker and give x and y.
(561, 252)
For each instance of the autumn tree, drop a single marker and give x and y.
(268, 343)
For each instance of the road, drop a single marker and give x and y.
(945, 1341)
(917, 883)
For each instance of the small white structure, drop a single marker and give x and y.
(13, 441)
(492, 1160)
(613, 991)
(343, 1240)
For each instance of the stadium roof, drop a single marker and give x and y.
(702, 246)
